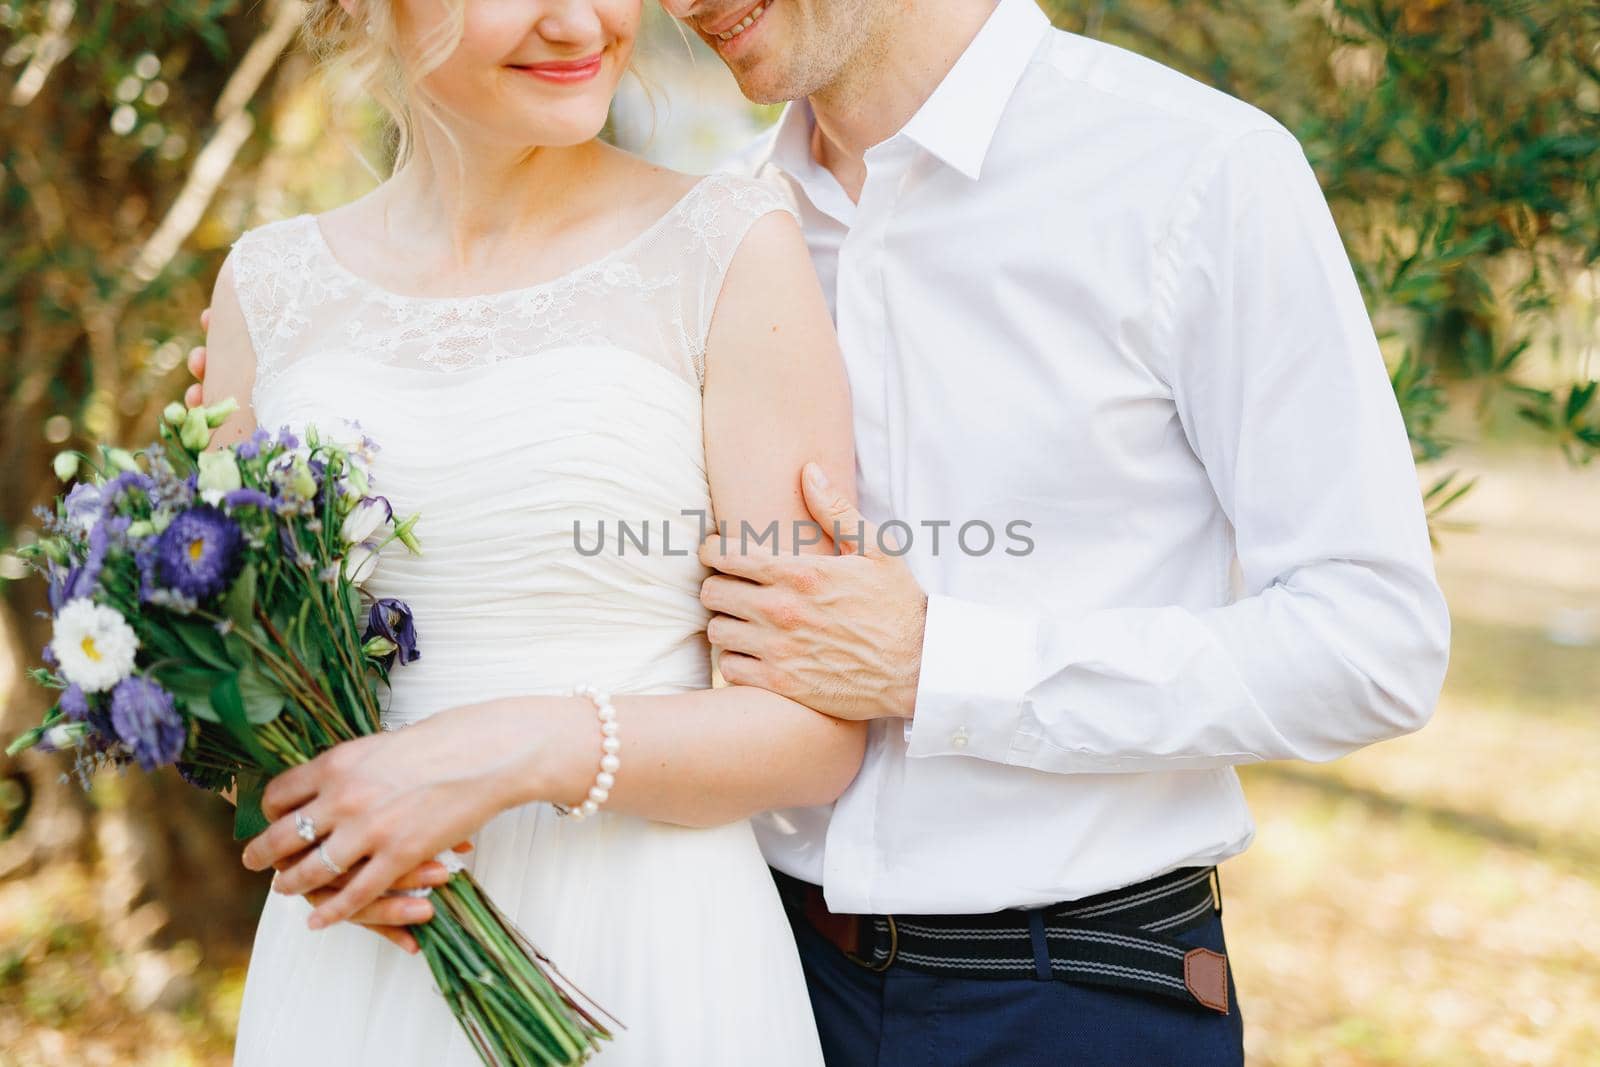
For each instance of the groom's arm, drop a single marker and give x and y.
(1343, 635)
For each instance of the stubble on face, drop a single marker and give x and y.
(822, 47)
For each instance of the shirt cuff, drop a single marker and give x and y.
(978, 662)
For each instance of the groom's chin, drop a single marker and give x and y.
(767, 75)
(763, 60)
(759, 91)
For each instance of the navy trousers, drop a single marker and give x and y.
(905, 1018)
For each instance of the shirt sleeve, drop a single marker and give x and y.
(1340, 635)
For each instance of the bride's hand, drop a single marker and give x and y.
(194, 396)
(389, 916)
(381, 805)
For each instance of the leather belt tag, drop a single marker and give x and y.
(1206, 974)
(843, 931)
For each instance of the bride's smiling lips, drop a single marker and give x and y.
(726, 33)
(563, 71)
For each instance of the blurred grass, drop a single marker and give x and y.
(1436, 900)
(1431, 902)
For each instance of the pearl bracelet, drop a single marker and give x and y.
(610, 745)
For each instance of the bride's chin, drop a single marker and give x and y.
(560, 134)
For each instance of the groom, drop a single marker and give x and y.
(1154, 514)
(1137, 506)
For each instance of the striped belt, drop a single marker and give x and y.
(1121, 939)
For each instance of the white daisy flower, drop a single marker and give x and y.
(94, 645)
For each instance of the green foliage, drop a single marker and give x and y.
(1459, 146)
(105, 110)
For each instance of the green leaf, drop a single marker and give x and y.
(262, 699)
(229, 705)
(203, 642)
(352, 599)
(192, 687)
(240, 654)
(309, 653)
(240, 603)
(248, 820)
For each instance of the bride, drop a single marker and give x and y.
(544, 335)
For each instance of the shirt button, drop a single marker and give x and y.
(959, 738)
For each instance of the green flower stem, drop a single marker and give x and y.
(335, 724)
(508, 1007)
(450, 961)
(354, 668)
(538, 989)
(313, 698)
(277, 742)
(556, 1012)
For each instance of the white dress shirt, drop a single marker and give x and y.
(1083, 291)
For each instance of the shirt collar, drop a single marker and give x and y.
(790, 152)
(958, 122)
(791, 140)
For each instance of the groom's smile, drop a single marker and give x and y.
(808, 48)
(728, 34)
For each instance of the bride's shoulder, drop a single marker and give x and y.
(726, 214)
(271, 235)
(265, 288)
(263, 256)
(702, 200)
(740, 196)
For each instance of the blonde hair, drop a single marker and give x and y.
(360, 54)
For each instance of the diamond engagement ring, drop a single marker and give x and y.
(322, 854)
(305, 827)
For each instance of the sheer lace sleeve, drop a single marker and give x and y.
(718, 219)
(279, 283)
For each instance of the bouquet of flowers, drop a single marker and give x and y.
(208, 613)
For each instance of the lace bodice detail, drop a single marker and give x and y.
(654, 296)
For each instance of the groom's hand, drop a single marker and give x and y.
(841, 634)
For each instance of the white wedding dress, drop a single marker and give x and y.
(503, 420)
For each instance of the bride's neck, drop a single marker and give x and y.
(474, 197)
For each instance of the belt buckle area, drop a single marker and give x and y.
(894, 950)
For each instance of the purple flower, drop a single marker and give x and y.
(248, 498)
(287, 440)
(251, 446)
(103, 734)
(113, 490)
(61, 580)
(392, 619)
(74, 704)
(147, 722)
(80, 581)
(168, 492)
(83, 506)
(199, 553)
